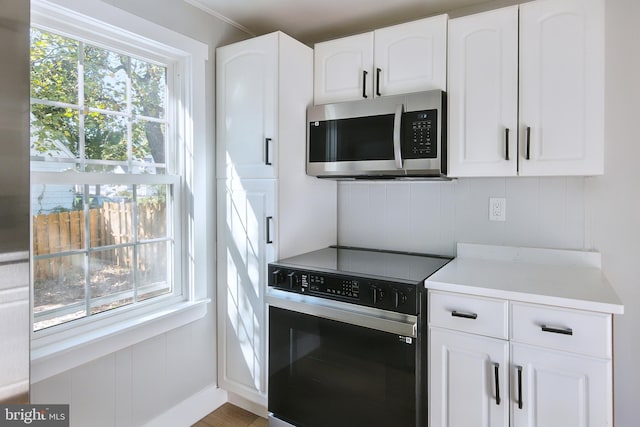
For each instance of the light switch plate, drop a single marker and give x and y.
(497, 209)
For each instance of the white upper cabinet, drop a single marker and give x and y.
(556, 73)
(342, 69)
(562, 87)
(411, 57)
(483, 94)
(403, 58)
(246, 82)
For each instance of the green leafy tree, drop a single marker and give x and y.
(110, 83)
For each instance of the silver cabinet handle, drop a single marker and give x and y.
(528, 148)
(563, 331)
(397, 127)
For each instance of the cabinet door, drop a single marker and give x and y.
(343, 69)
(244, 232)
(411, 57)
(464, 370)
(562, 87)
(246, 84)
(483, 94)
(559, 389)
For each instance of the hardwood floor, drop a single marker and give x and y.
(229, 415)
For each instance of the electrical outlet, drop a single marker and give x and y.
(497, 209)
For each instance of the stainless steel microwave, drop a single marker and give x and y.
(387, 137)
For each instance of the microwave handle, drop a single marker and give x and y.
(397, 127)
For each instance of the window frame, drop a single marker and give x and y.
(66, 345)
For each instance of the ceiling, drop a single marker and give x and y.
(312, 21)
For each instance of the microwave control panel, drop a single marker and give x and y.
(420, 134)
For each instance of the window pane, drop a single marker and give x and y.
(152, 275)
(105, 79)
(54, 133)
(58, 219)
(110, 215)
(152, 211)
(54, 67)
(54, 198)
(59, 291)
(111, 280)
(148, 141)
(105, 137)
(149, 87)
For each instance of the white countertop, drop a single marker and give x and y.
(563, 278)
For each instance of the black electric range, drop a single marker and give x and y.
(347, 338)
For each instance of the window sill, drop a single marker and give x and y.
(56, 357)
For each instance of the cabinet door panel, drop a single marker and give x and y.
(246, 108)
(243, 254)
(462, 390)
(562, 87)
(412, 56)
(483, 94)
(339, 69)
(560, 389)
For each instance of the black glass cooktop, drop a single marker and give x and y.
(403, 267)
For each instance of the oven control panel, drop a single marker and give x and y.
(392, 296)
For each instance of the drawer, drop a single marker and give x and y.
(577, 331)
(477, 315)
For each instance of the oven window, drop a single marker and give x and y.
(327, 373)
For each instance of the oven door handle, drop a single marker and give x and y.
(408, 328)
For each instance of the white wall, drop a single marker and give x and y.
(138, 384)
(600, 213)
(614, 199)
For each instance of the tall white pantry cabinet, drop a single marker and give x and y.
(526, 90)
(268, 208)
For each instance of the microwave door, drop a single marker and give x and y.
(397, 135)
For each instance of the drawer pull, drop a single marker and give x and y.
(496, 375)
(563, 331)
(464, 315)
(519, 369)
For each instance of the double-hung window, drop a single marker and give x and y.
(113, 148)
(105, 178)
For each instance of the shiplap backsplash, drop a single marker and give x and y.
(432, 216)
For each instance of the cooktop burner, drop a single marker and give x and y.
(394, 266)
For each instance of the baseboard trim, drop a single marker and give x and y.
(248, 405)
(192, 409)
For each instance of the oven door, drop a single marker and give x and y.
(334, 367)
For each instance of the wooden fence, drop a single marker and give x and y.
(110, 224)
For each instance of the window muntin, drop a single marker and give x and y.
(103, 238)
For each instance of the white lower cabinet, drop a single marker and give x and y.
(554, 370)
(468, 380)
(559, 389)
